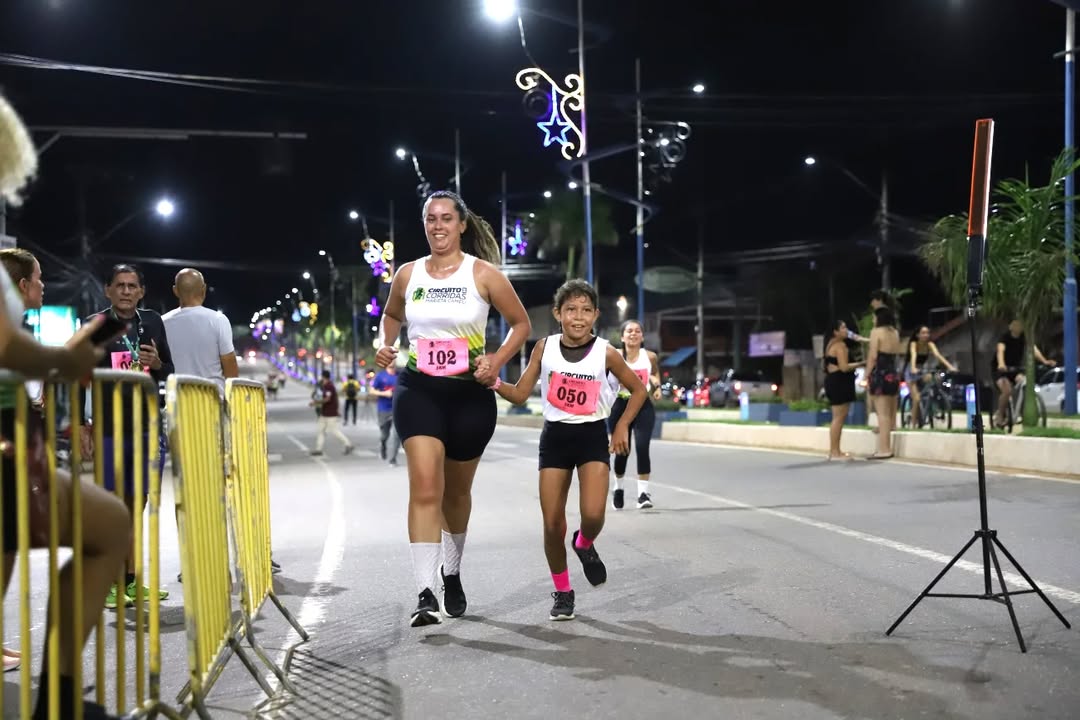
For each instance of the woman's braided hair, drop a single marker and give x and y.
(478, 238)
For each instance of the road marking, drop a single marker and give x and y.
(502, 445)
(1011, 578)
(313, 608)
(274, 458)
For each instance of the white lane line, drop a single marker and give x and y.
(1012, 579)
(313, 608)
(502, 445)
(274, 458)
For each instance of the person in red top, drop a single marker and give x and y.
(326, 401)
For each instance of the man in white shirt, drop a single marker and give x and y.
(203, 337)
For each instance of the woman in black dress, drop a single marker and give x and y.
(883, 371)
(839, 384)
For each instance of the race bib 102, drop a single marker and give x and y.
(441, 358)
(575, 396)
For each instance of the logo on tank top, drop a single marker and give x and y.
(456, 295)
(577, 376)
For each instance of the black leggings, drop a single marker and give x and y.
(640, 430)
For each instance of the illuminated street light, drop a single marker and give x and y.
(500, 10)
(322, 253)
(401, 153)
(622, 303)
(165, 207)
(547, 194)
(810, 160)
(698, 89)
(306, 275)
(572, 185)
(354, 215)
(295, 290)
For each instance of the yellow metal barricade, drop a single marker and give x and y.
(135, 424)
(249, 506)
(197, 435)
(49, 514)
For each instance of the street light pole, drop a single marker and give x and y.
(457, 161)
(701, 296)
(641, 200)
(1070, 218)
(585, 146)
(502, 320)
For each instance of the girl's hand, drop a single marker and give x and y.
(620, 440)
(386, 355)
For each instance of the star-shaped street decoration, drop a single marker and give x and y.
(548, 127)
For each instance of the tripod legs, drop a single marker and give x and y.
(989, 539)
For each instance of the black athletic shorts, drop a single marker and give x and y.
(567, 446)
(459, 412)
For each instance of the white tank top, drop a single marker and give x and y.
(446, 309)
(582, 387)
(642, 367)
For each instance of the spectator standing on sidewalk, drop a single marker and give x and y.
(202, 341)
(144, 347)
(329, 408)
(382, 389)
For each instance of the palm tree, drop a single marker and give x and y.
(560, 224)
(1024, 272)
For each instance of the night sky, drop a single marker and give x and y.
(874, 84)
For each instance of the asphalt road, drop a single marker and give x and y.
(759, 586)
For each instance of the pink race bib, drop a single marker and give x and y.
(573, 395)
(644, 375)
(442, 357)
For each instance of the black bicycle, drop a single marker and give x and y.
(1015, 413)
(935, 405)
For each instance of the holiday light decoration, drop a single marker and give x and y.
(373, 308)
(518, 243)
(380, 257)
(557, 122)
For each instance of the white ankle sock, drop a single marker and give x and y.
(642, 486)
(425, 560)
(618, 483)
(453, 547)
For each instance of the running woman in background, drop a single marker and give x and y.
(646, 367)
(444, 413)
(572, 368)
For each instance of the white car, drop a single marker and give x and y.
(1052, 388)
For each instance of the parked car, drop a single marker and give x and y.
(1051, 387)
(726, 389)
(698, 394)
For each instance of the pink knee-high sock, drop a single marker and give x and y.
(562, 580)
(581, 542)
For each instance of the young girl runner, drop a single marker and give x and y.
(572, 369)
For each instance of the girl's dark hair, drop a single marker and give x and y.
(885, 317)
(576, 288)
(628, 323)
(915, 334)
(478, 238)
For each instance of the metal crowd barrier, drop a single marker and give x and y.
(249, 507)
(35, 458)
(200, 453)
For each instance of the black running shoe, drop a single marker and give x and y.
(595, 571)
(453, 595)
(644, 501)
(275, 568)
(563, 609)
(427, 610)
(617, 499)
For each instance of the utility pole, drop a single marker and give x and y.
(640, 199)
(1069, 300)
(355, 330)
(502, 320)
(701, 296)
(886, 267)
(585, 146)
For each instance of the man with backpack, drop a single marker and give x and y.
(352, 396)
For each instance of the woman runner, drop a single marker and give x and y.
(444, 413)
(645, 365)
(572, 369)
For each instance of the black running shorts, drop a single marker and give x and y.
(459, 412)
(565, 446)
